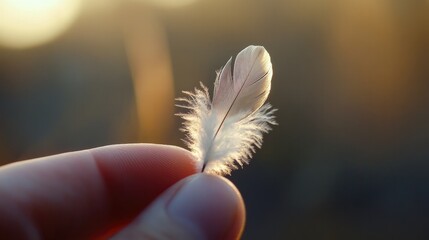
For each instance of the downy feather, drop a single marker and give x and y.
(223, 133)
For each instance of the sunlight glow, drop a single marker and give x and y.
(28, 23)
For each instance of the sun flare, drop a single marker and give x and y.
(28, 23)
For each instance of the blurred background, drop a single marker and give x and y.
(349, 159)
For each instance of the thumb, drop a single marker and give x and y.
(201, 206)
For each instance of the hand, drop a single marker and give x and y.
(135, 191)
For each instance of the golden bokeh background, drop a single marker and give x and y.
(349, 159)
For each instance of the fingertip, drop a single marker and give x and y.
(212, 204)
(135, 174)
(201, 206)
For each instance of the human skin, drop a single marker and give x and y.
(129, 191)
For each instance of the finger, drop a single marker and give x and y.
(199, 207)
(81, 194)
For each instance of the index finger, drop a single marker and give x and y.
(81, 194)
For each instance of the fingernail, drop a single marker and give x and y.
(206, 204)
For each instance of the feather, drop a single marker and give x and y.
(222, 134)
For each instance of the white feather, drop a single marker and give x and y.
(224, 133)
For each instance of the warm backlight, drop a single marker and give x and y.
(28, 23)
(168, 3)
